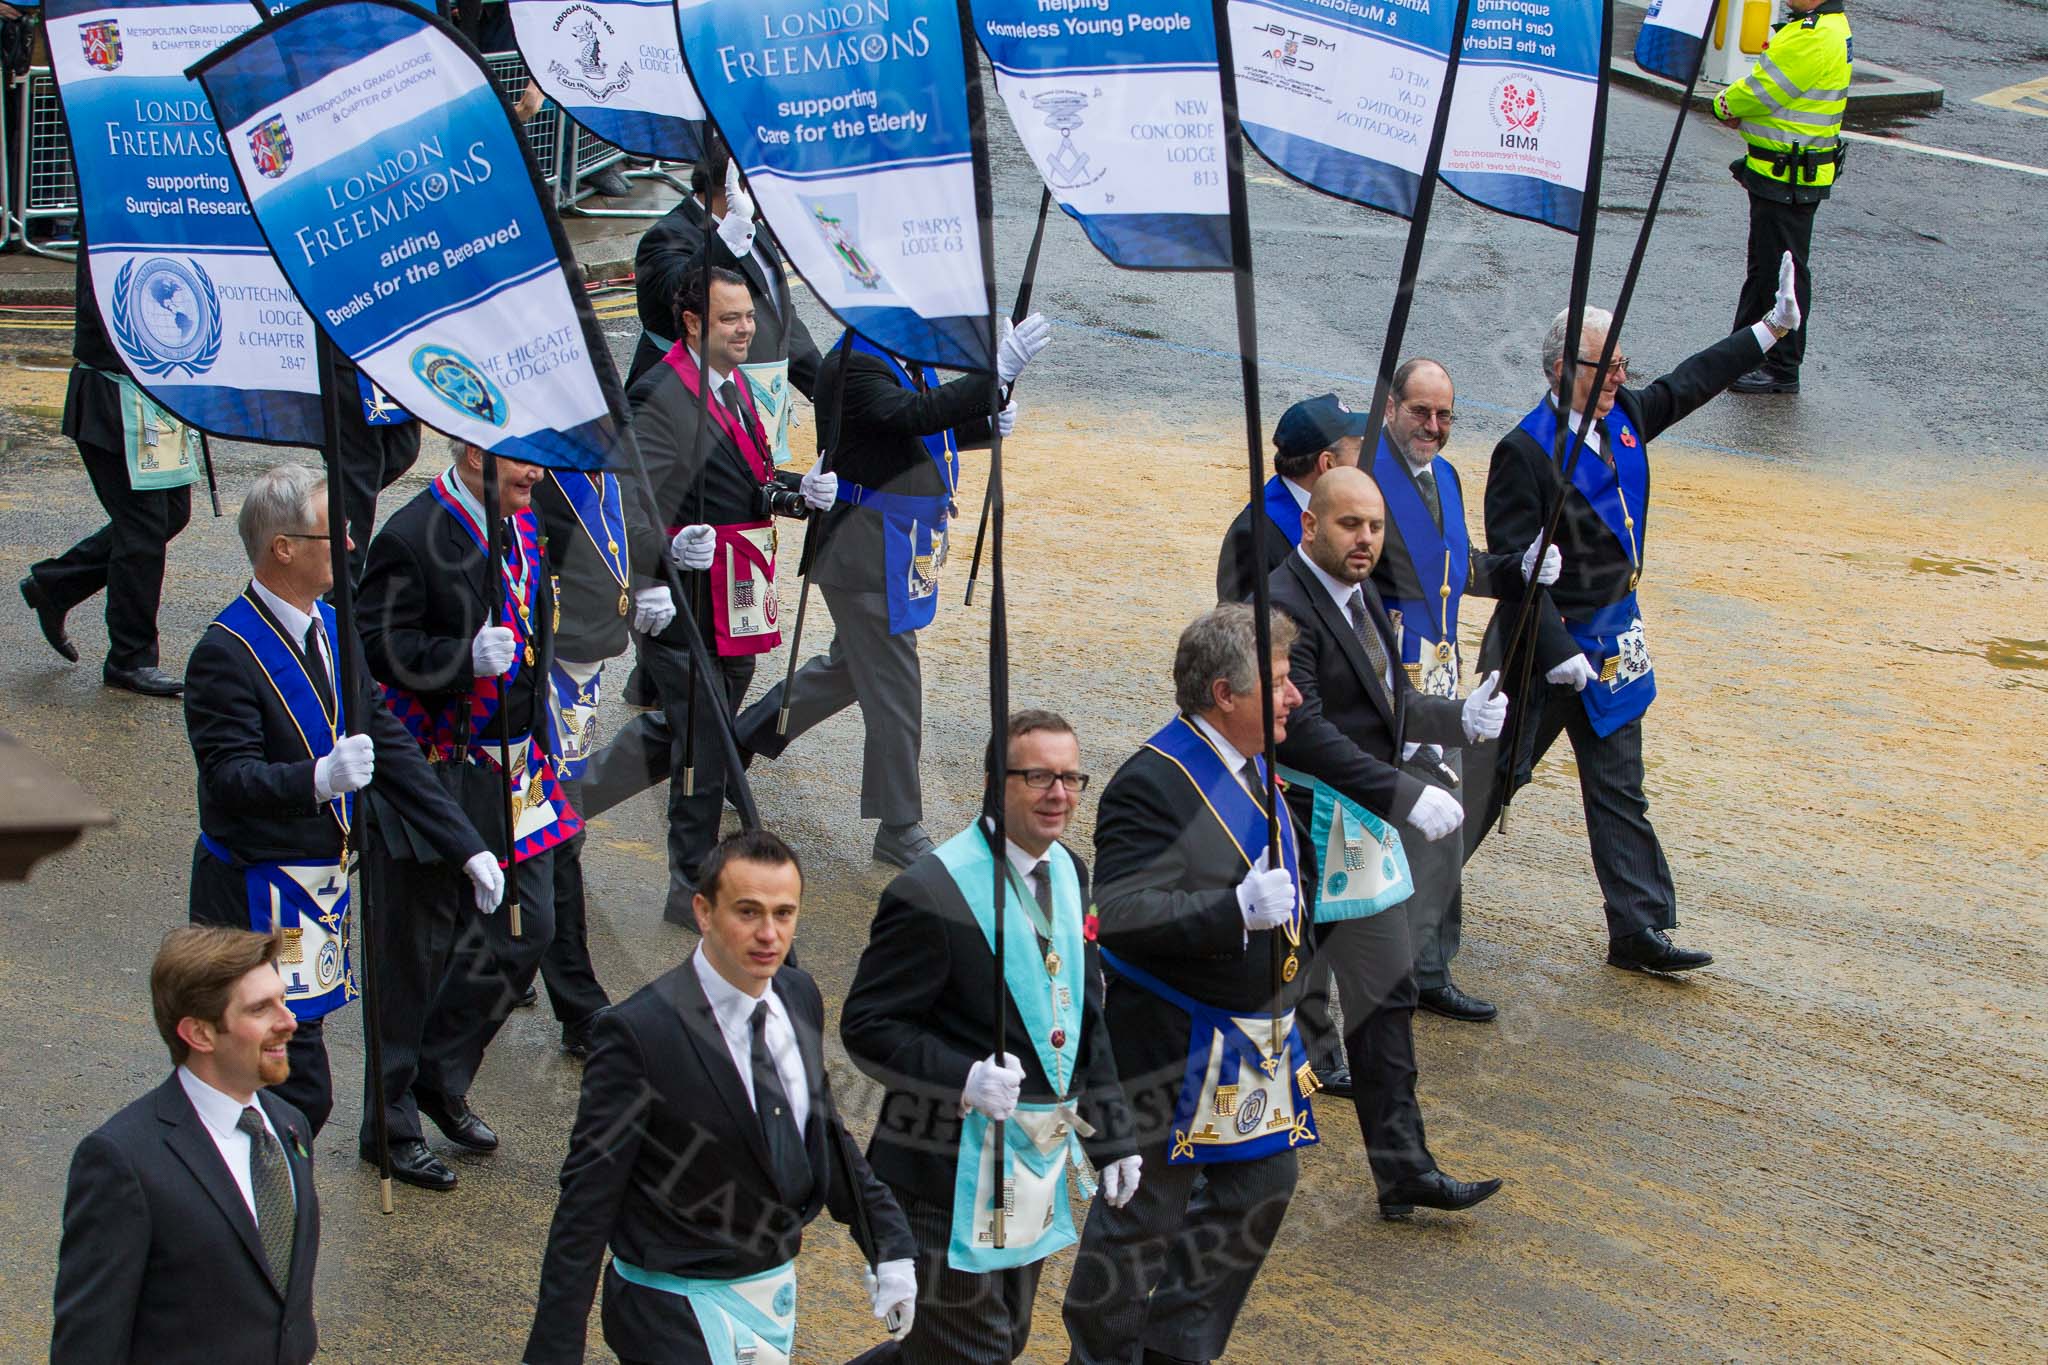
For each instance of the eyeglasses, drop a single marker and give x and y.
(303, 535)
(1041, 779)
(1616, 368)
(1420, 412)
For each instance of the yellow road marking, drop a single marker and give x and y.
(2028, 97)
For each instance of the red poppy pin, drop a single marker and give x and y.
(1628, 438)
(1090, 924)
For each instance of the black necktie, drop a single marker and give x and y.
(1041, 887)
(316, 664)
(1369, 637)
(1425, 483)
(729, 394)
(277, 1218)
(785, 1145)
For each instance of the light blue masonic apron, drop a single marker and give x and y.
(748, 1321)
(1362, 868)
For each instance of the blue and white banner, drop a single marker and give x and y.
(1522, 115)
(1122, 112)
(613, 66)
(388, 178)
(186, 287)
(850, 120)
(1343, 96)
(1673, 37)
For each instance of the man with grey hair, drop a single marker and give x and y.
(1591, 650)
(277, 780)
(1197, 915)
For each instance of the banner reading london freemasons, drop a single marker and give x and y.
(389, 180)
(1521, 127)
(186, 288)
(851, 123)
(1122, 114)
(613, 67)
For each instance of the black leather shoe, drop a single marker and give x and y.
(901, 845)
(1435, 1191)
(639, 690)
(609, 183)
(49, 618)
(528, 998)
(414, 1164)
(1763, 381)
(144, 681)
(1650, 951)
(576, 1036)
(680, 909)
(1335, 1082)
(459, 1124)
(1453, 1003)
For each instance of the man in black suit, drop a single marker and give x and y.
(710, 466)
(126, 556)
(191, 1226)
(1313, 437)
(458, 683)
(276, 810)
(670, 252)
(377, 442)
(706, 1139)
(920, 1018)
(1197, 913)
(1591, 650)
(895, 452)
(1358, 712)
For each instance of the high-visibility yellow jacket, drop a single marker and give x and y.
(1791, 104)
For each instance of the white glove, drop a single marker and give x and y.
(993, 1086)
(1553, 564)
(1438, 813)
(488, 878)
(1574, 672)
(736, 229)
(820, 489)
(1006, 420)
(1120, 1180)
(1785, 311)
(894, 1296)
(693, 548)
(1019, 343)
(1266, 895)
(490, 653)
(1485, 711)
(653, 609)
(348, 767)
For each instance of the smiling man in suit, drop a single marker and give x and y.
(191, 1226)
(706, 1139)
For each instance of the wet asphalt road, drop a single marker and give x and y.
(1920, 381)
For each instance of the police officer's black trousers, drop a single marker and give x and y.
(1775, 229)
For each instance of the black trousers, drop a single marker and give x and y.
(447, 975)
(1775, 229)
(649, 749)
(1372, 960)
(219, 895)
(372, 459)
(1635, 881)
(962, 1318)
(574, 992)
(125, 558)
(1169, 1271)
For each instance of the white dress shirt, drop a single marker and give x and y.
(718, 376)
(1300, 493)
(219, 1114)
(1592, 433)
(295, 622)
(734, 1010)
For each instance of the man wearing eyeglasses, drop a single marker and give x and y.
(1590, 645)
(920, 1018)
(1426, 566)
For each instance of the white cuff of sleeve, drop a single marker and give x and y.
(1765, 337)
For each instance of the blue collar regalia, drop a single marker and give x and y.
(913, 526)
(599, 509)
(1612, 636)
(1040, 1139)
(541, 814)
(306, 900)
(1426, 627)
(1239, 1098)
(1282, 509)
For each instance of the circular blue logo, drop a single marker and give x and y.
(785, 1301)
(1250, 1112)
(1338, 881)
(166, 316)
(457, 382)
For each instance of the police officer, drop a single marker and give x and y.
(1789, 110)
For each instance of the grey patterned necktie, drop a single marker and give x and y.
(1369, 638)
(1425, 483)
(277, 1217)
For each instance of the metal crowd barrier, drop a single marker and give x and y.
(41, 185)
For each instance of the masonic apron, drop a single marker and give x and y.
(913, 525)
(747, 1321)
(1426, 628)
(744, 607)
(1362, 866)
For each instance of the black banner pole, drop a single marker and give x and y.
(818, 529)
(698, 600)
(1018, 312)
(494, 573)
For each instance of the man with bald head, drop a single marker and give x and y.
(1349, 788)
(1425, 568)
